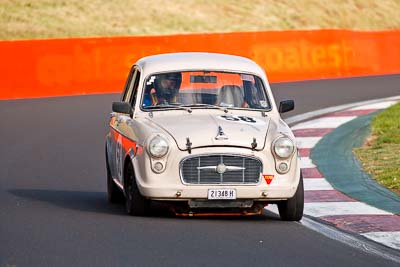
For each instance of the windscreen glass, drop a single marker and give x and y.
(204, 89)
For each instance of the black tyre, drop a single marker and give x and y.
(136, 204)
(292, 209)
(114, 193)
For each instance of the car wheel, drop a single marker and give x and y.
(292, 209)
(114, 194)
(136, 204)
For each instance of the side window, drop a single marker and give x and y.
(127, 84)
(131, 89)
(128, 95)
(135, 88)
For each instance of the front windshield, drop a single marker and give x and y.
(202, 89)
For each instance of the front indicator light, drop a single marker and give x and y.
(283, 167)
(158, 166)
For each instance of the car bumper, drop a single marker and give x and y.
(169, 186)
(185, 192)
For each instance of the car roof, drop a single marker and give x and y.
(198, 61)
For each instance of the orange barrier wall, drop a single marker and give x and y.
(37, 68)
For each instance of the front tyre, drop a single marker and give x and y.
(136, 204)
(292, 209)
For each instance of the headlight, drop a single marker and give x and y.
(158, 147)
(283, 147)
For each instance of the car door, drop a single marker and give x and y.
(120, 125)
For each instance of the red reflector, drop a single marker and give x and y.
(268, 178)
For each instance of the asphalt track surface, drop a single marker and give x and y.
(54, 212)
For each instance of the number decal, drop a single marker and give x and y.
(247, 119)
(230, 118)
(239, 118)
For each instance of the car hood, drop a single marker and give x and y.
(215, 130)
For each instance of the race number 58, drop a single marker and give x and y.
(239, 118)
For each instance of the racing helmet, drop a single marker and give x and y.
(168, 92)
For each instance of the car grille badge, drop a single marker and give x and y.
(221, 168)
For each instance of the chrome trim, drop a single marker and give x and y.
(228, 168)
(118, 184)
(220, 154)
(234, 168)
(214, 168)
(199, 203)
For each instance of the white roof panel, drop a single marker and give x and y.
(198, 61)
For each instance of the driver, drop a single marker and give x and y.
(166, 88)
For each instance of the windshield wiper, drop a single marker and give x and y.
(224, 109)
(169, 106)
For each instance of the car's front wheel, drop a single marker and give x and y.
(136, 204)
(292, 209)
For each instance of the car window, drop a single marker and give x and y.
(127, 84)
(202, 88)
(135, 88)
(130, 94)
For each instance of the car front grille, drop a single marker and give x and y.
(221, 169)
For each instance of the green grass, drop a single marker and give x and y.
(380, 156)
(27, 19)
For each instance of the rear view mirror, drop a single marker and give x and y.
(286, 105)
(122, 107)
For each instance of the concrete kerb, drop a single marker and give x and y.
(316, 223)
(313, 114)
(337, 147)
(351, 239)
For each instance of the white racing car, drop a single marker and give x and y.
(201, 132)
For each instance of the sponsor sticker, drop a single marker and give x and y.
(263, 103)
(247, 77)
(151, 80)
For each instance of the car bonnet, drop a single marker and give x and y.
(204, 130)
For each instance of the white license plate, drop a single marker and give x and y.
(222, 193)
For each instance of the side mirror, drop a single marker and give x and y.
(122, 107)
(286, 105)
